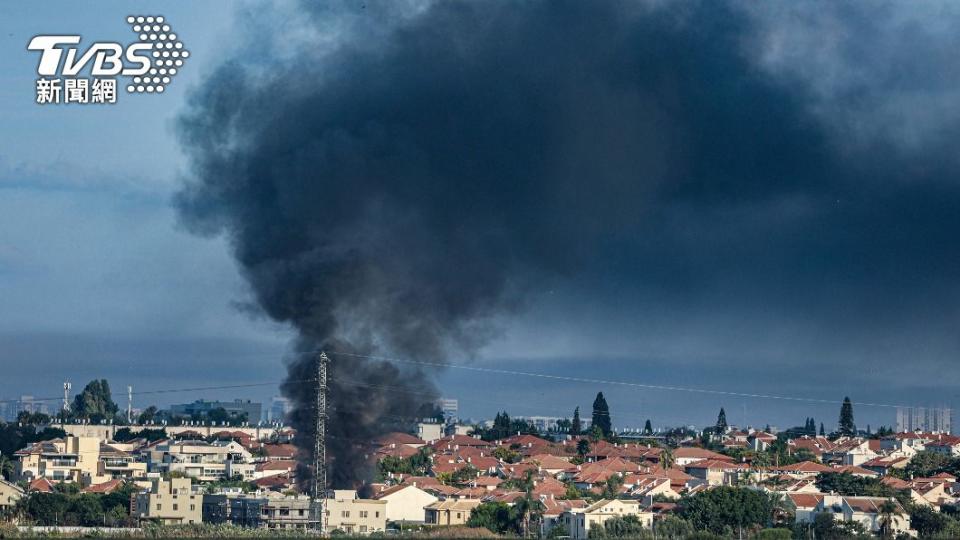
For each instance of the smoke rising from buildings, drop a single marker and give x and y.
(400, 190)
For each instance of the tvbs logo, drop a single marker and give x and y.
(149, 64)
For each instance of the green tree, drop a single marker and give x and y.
(497, 517)
(611, 488)
(601, 415)
(846, 424)
(95, 402)
(666, 458)
(647, 428)
(726, 509)
(927, 521)
(576, 426)
(621, 527)
(925, 464)
(672, 528)
(823, 432)
(721, 426)
(583, 447)
(148, 415)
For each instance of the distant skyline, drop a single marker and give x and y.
(820, 262)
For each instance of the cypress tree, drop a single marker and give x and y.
(575, 426)
(647, 428)
(847, 426)
(601, 415)
(721, 426)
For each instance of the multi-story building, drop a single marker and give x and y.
(72, 459)
(169, 502)
(580, 521)
(240, 509)
(345, 512)
(450, 408)
(924, 419)
(206, 462)
(9, 409)
(251, 410)
(119, 464)
(280, 407)
(288, 512)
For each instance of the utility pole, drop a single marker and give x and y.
(129, 404)
(320, 441)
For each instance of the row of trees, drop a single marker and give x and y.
(68, 506)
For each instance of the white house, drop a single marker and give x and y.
(405, 502)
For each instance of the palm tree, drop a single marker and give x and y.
(887, 511)
(666, 458)
(779, 508)
(529, 507)
(760, 462)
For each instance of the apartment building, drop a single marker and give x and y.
(240, 509)
(169, 502)
(117, 464)
(71, 459)
(345, 512)
(288, 512)
(251, 411)
(203, 461)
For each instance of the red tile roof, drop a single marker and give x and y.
(805, 500)
(105, 488)
(398, 438)
(689, 452)
(277, 481)
(42, 485)
(286, 451)
(804, 467)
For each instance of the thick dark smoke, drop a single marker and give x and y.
(398, 194)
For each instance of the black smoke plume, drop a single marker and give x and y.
(397, 191)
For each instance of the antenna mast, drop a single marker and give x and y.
(66, 396)
(320, 441)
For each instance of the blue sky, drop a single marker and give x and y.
(98, 278)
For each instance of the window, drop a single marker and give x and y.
(176, 507)
(345, 513)
(193, 507)
(363, 528)
(159, 507)
(458, 515)
(363, 513)
(301, 511)
(376, 514)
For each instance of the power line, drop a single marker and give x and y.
(610, 382)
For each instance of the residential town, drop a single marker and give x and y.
(578, 479)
